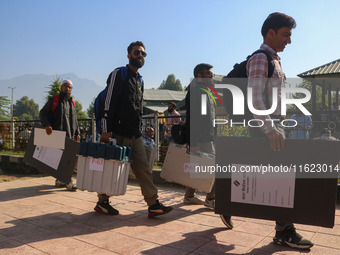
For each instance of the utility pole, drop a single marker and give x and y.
(12, 122)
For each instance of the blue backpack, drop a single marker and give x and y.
(103, 100)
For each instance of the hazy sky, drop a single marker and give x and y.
(89, 38)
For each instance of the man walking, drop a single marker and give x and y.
(201, 139)
(59, 113)
(123, 122)
(276, 32)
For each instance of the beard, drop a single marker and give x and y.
(208, 81)
(65, 96)
(138, 63)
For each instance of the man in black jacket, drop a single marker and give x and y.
(124, 124)
(59, 113)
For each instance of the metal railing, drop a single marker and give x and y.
(15, 135)
(18, 139)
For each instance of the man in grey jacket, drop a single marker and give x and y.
(59, 113)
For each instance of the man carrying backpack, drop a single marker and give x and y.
(201, 139)
(276, 32)
(59, 113)
(123, 122)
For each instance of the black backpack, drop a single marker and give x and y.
(240, 71)
(179, 133)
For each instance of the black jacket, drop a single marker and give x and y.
(126, 106)
(199, 127)
(64, 117)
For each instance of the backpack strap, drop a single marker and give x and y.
(270, 72)
(269, 58)
(55, 102)
(123, 75)
(123, 72)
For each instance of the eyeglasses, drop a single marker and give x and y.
(137, 52)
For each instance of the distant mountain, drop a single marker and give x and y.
(35, 86)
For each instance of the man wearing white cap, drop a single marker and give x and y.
(59, 113)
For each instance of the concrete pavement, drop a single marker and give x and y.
(37, 218)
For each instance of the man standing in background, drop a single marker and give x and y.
(59, 113)
(172, 120)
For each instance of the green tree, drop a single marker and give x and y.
(25, 116)
(54, 87)
(26, 109)
(171, 83)
(80, 113)
(4, 108)
(90, 110)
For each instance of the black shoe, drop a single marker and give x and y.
(59, 184)
(158, 209)
(227, 221)
(71, 187)
(290, 238)
(106, 208)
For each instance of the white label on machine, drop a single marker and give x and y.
(96, 164)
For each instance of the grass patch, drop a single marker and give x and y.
(11, 152)
(158, 165)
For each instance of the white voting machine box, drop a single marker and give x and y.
(102, 176)
(181, 167)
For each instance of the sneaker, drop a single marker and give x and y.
(59, 184)
(192, 200)
(290, 238)
(227, 221)
(158, 209)
(106, 208)
(71, 187)
(210, 203)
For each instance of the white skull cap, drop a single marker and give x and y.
(67, 81)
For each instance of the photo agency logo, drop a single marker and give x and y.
(239, 107)
(204, 98)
